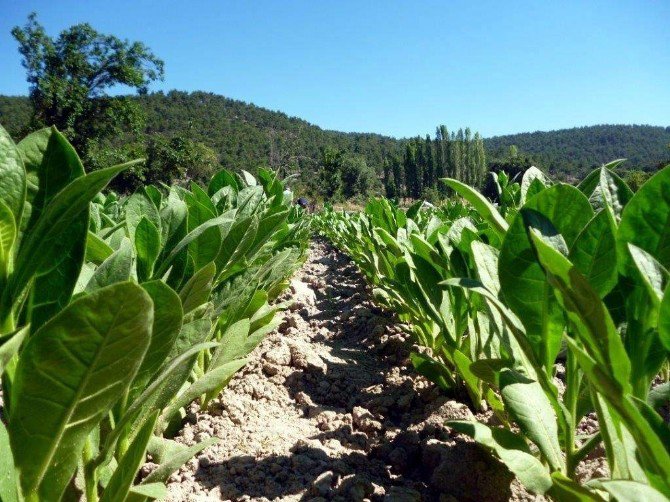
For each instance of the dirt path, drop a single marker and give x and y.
(328, 409)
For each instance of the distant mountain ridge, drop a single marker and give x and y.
(245, 135)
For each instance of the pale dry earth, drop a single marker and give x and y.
(329, 408)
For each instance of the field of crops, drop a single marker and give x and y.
(549, 308)
(118, 312)
(121, 314)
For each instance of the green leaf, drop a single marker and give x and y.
(664, 319)
(117, 268)
(69, 375)
(174, 461)
(512, 451)
(97, 250)
(8, 473)
(645, 222)
(39, 250)
(210, 383)
(154, 491)
(566, 489)
(198, 288)
(594, 252)
(148, 247)
(652, 274)
(586, 310)
(7, 239)
(167, 322)
(433, 370)
(532, 183)
(481, 204)
(11, 347)
(605, 188)
(51, 164)
(623, 489)
(522, 279)
(527, 403)
(12, 176)
(139, 206)
(223, 178)
(119, 484)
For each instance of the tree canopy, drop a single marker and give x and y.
(70, 78)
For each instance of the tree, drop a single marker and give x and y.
(70, 77)
(330, 173)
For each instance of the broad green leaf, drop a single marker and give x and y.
(97, 250)
(167, 322)
(7, 239)
(11, 347)
(481, 204)
(155, 397)
(526, 401)
(223, 178)
(39, 249)
(645, 222)
(117, 268)
(153, 491)
(235, 245)
(232, 344)
(223, 223)
(623, 489)
(12, 176)
(148, 247)
(512, 451)
(594, 252)
(51, 164)
(604, 188)
(70, 373)
(433, 370)
(523, 282)
(567, 489)
(171, 465)
(154, 194)
(654, 276)
(8, 474)
(52, 290)
(486, 262)
(140, 206)
(211, 382)
(664, 319)
(198, 288)
(119, 485)
(585, 310)
(533, 182)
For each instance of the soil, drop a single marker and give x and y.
(329, 408)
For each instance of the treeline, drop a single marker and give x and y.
(572, 153)
(181, 129)
(417, 173)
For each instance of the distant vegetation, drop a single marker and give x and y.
(245, 136)
(189, 136)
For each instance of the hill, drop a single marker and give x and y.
(573, 152)
(245, 135)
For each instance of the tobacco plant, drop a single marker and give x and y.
(547, 308)
(118, 312)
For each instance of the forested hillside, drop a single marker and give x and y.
(243, 135)
(575, 151)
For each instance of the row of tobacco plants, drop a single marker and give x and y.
(116, 313)
(548, 306)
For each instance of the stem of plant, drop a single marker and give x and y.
(90, 473)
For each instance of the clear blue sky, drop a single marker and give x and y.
(395, 67)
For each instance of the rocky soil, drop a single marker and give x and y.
(329, 408)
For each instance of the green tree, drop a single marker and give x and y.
(70, 77)
(330, 173)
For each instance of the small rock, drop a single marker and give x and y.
(279, 355)
(323, 484)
